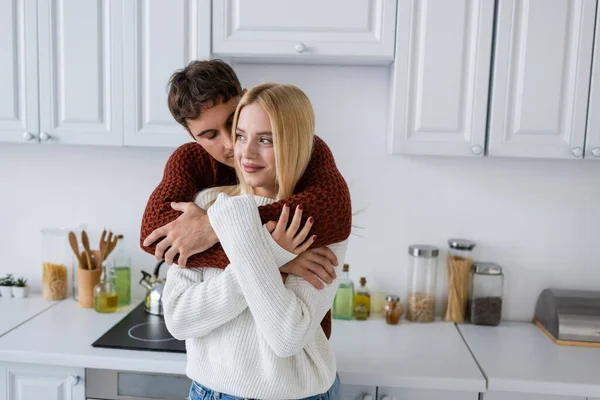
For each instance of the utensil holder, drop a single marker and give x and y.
(87, 280)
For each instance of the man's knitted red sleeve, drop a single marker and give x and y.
(322, 191)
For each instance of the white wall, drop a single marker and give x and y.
(538, 219)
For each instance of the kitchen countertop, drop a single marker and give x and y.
(518, 357)
(15, 311)
(431, 356)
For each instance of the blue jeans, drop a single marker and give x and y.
(199, 392)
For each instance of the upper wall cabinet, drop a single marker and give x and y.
(440, 77)
(80, 71)
(315, 30)
(541, 78)
(19, 113)
(160, 38)
(592, 145)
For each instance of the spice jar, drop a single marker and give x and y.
(460, 261)
(486, 294)
(393, 310)
(422, 279)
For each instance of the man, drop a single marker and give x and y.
(202, 98)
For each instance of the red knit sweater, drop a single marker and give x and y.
(322, 191)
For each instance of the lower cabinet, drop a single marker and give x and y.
(526, 396)
(388, 393)
(35, 382)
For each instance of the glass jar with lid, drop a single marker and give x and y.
(460, 261)
(486, 294)
(421, 285)
(55, 263)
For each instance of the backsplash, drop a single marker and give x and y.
(539, 219)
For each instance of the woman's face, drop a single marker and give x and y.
(254, 150)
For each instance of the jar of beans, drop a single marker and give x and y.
(486, 294)
(422, 278)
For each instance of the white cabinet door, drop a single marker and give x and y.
(385, 393)
(592, 142)
(357, 392)
(3, 384)
(440, 77)
(353, 29)
(526, 396)
(80, 61)
(19, 117)
(541, 78)
(160, 38)
(32, 382)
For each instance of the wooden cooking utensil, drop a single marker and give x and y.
(103, 247)
(75, 248)
(112, 243)
(86, 245)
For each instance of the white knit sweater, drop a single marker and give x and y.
(247, 334)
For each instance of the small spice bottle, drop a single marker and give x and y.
(393, 310)
(486, 294)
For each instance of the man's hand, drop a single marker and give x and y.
(191, 233)
(314, 266)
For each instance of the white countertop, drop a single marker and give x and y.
(518, 357)
(368, 352)
(14, 312)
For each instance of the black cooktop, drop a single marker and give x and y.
(141, 331)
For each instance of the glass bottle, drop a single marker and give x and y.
(106, 299)
(486, 294)
(422, 281)
(460, 261)
(393, 310)
(122, 270)
(363, 296)
(344, 297)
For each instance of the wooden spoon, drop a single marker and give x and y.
(103, 247)
(86, 245)
(75, 248)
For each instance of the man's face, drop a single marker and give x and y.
(212, 131)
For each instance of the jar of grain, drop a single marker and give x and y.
(486, 294)
(460, 261)
(422, 279)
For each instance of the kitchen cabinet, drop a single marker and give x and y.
(526, 396)
(159, 38)
(387, 393)
(541, 78)
(440, 77)
(592, 144)
(19, 112)
(80, 72)
(357, 392)
(3, 386)
(314, 30)
(33, 382)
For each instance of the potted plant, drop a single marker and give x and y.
(20, 290)
(6, 285)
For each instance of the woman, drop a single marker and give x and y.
(249, 333)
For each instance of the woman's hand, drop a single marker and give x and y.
(290, 239)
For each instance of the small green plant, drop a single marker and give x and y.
(21, 282)
(8, 280)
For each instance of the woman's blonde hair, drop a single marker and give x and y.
(293, 123)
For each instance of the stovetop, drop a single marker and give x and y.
(141, 331)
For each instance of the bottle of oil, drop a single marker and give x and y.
(106, 299)
(343, 305)
(362, 300)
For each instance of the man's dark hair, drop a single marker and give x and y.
(201, 85)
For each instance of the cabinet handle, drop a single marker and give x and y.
(477, 150)
(28, 136)
(300, 47)
(577, 151)
(596, 151)
(45, 136)
(73, 380)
